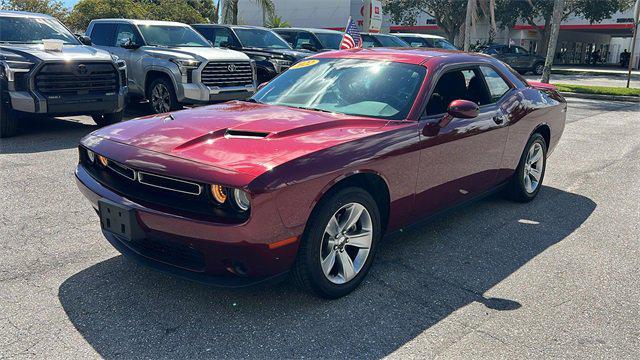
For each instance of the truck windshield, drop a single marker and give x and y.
(172, 36)
(258, 38)
(391, 41)
(330, 40)
(380, 89)
(32, 30)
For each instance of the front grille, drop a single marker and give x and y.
(227, 74)
(77, 78)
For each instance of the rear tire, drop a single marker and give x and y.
(526, 183)
(107, 119)
(8, 121)
(538, 68)
(319, 265)
(162, 96)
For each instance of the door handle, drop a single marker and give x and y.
(499, 119)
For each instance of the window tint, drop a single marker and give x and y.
(329, 40)
(126, 32)
(305, 38)
(415, 41)
(464, 84)
(497, 86)
(102, 34)
(390, 41)
(222, 35)
(368, 41)
(287, 36)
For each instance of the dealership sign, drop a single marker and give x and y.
(372, 13)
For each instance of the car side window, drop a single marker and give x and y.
(414, 41)
(102, 34)
(496, 84)
(222, 35)
(368, 41)
(125, 33)
(288, 37)
(305, 38)
(460, 84)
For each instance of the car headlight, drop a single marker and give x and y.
(18, 65)
(186, 65)
(91, 156)
(237, 198)
(11, 67)
(119, 62)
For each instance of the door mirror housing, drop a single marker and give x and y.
(130, 45)
(84, 40)
(462, 109)
(309, 47)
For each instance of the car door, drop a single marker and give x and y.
(127, 33)
(523, 58)
(460, 160)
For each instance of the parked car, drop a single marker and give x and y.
(171, 64)
(307, 176)
(370, 40)
(270, 52)
(315, 40)
(426, 41)
(517, 57)
(46, 70)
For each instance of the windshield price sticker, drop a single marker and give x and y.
(304, 64)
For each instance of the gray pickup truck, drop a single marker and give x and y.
(46, 70)
(171, 64)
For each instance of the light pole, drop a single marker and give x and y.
(636, 22)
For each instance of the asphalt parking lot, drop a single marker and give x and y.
(558, 277)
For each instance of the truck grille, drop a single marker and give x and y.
(77, 78)
(227, 74)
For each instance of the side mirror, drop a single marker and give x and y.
(129, 45)
(462, 109)
(262, 85)
(309, 47)
(84, 40)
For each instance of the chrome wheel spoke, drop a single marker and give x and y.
(361, 240)
(346, 265)
(535, 173)
(353, 215)
(333, 228)
(328, 262)
(527, 183)
(536, 156)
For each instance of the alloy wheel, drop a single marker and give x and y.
(539, 69)
(346, 243)
(160, 99)
(533, 167)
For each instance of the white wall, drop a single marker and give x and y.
(300, 13)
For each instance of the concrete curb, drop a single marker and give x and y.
(601, 97)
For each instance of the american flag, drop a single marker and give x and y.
(351, 38)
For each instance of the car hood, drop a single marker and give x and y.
(293, 54)
(241, 136)
(203, 53)
(68, 53)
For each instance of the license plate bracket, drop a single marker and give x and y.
(119, 220)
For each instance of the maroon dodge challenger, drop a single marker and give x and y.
(306, 177)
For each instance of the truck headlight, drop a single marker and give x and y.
(186, 65)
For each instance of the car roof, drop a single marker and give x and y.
(426, 36)
(403, 55)
(312, 30)
(23, 14)
(140, 22)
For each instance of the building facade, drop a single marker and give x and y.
(578, 41)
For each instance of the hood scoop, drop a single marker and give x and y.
(244, 134)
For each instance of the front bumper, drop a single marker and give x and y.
(35, 103)
(200, 93)
(214, 253)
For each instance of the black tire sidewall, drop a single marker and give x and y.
(309, 257)
(107, 119)
(173, 99)
(8, 121)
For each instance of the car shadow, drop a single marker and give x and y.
(40, 133)
(420, 278)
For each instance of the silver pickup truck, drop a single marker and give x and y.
(171, 64)
(46, 70)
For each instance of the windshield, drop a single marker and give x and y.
(391, 41)
(444, 44)
(29, 30)
(172, 36)
(348, 86)
(258, 38)
(329, 40)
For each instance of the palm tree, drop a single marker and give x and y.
(558, 8)
(230, 10)
(488, 8)
(277, 22)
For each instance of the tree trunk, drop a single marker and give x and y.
(545, 34)
(558, 7)
(492, 18)
(234, 12)
(467, 25)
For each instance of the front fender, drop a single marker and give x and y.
(164, 66)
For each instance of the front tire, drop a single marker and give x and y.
(526, 183)
(8, 121)
(339, 243)
(162, 96)
(107, 119)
